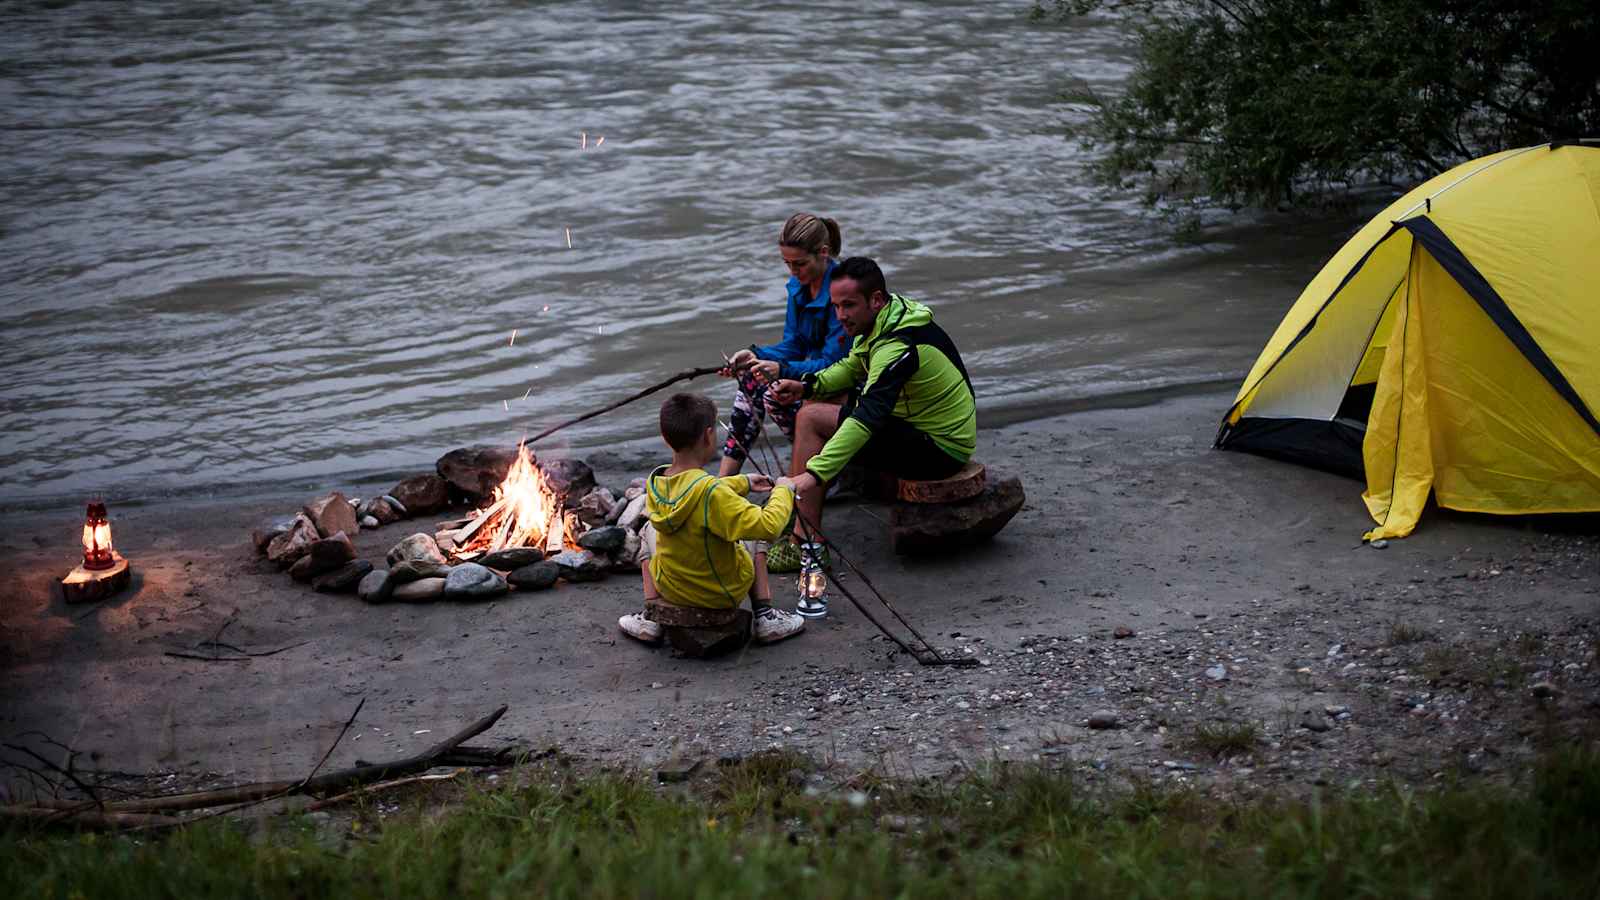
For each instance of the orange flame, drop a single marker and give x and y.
(524, 507)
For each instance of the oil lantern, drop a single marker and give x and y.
(97, 538)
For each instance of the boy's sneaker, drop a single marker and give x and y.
(773, 625)
(636, 626)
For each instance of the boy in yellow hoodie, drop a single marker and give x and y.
(705, 544)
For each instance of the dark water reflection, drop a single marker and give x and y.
(252, 242)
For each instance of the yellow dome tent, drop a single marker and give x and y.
(1452, 345)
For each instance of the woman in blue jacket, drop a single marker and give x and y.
(813, 339)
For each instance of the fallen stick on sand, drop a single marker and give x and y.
(446, 752)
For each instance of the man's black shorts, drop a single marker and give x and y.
(901, 450)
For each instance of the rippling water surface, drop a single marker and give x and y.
(247, 242)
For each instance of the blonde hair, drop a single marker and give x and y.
(810, 233)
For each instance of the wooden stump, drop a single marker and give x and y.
(963, 485)
(89, 585)
(943, 527)
(699, 632)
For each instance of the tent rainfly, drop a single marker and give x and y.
(1452, 346)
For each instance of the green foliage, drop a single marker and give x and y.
(746, 831)
(1221, 740)
(1272, 102)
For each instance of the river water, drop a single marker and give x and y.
(245, 243)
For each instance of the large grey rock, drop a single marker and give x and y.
(408, 570)
(626, 560)
(619, 505)
(579, 565)
(417, 548)
(512, 558)
(476, 471)
(323, 556)
(423, 591)
(332, 514)
(333, 551)
(634, 515)
(941, 527)
(343, 579)
(287, 548)
(536, 577)
(304, 569)
(381, 509)
(376, 586)
(470, 581)
(605, 540)
(591, 509)
(262, 536)
(572, 478)
(423, 494)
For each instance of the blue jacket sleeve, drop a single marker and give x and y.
(793, 345)
(834, 348)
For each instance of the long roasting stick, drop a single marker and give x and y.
(685, 375)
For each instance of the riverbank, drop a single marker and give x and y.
(1265, 647)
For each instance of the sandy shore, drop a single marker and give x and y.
(1250, 599)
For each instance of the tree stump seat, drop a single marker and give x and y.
(697, 631)
(963, 485)
(953, 513)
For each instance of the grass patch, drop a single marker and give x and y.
(1401, 634)
(1011, 831)
(1221, 740)
(1453, 664)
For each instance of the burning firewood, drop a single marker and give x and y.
(526, 512)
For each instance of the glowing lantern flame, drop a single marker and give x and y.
(97, 538)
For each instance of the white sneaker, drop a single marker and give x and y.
(636, 626)
(773, 625)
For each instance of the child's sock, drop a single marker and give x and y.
(756, 606)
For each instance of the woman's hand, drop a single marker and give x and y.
(788, 391)
(738, 362)
(785, 482)
(760, 482)
(765, 370)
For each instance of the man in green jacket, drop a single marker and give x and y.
(910, 413)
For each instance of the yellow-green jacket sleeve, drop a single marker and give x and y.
(733, 518)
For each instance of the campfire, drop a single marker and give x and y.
(526, 512)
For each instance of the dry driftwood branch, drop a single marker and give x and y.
(86, 818)
(380, 786)
(94, 798)
(331, 782)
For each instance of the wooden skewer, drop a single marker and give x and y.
(685, 375)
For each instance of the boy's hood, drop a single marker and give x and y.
(673, 499)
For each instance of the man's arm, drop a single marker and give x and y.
(893, 363)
